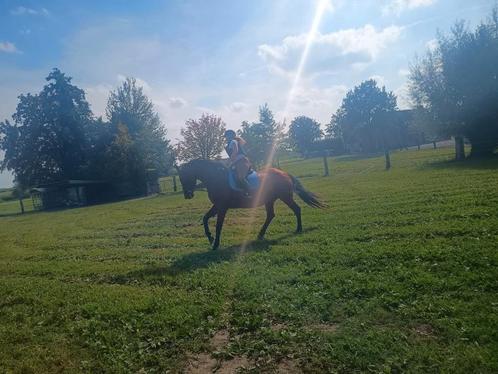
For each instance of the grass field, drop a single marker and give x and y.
(399, 274)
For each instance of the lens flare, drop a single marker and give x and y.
(321, 7)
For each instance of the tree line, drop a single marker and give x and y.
(453, 91)
(55, 136)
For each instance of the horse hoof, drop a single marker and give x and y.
(215, 247)
(211, 240)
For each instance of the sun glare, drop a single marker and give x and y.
(321, 7)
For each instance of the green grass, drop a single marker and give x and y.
(6, 194)
(399, 274)
(12, 207)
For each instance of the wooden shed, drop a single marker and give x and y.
(71, 193)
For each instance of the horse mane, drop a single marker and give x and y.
(204, 163)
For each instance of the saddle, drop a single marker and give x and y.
(252, 179)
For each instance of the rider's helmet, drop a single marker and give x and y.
(230, 134)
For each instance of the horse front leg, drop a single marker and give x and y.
(219, 226)
(205, 220)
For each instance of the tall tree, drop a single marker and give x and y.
(456, 85)
(303, 133)
(262, 137)
(360, 119)
(128, 106)
(46, 140)
(202, 138)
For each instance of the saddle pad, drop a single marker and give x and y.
(252, 179)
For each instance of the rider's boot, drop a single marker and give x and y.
(245, 186)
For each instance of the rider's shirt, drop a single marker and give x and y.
(234, 151)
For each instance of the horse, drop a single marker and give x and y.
(274, 184)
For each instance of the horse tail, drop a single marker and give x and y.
(308, 197)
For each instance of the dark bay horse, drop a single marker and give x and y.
(274, 184)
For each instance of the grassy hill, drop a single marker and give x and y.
(399, 274)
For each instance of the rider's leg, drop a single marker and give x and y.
(242, 169)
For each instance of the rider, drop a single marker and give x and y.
(238, 160)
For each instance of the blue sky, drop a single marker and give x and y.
(221, 56)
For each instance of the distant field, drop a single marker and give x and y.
(5, 194)
(399, 274)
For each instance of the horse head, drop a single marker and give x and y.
(188, 179)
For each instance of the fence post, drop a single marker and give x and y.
(388, 159)
(174, 183)
(325, 165)
(459, 148)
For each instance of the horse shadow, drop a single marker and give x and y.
(200, 260)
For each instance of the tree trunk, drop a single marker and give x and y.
(388, 159)
(22, 205)
(174, 183)
(325, 166)
(459, 148)
(434, 145)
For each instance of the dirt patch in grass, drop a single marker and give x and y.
(328, 328)
(205, 363)
(424, 330)
(219, 339)
(234, 365)
(278, 327)
(200, 364)
(288, 366)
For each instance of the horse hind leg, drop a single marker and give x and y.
(289, 201)
(270, 214)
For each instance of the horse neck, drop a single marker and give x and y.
(205, 172)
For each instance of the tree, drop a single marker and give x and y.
(46, 141)
(361, 118)
(455, 85)
(131, 109)
(202, 138)
(262, 137)
(303, 132)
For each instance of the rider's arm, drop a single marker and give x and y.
(234, 150)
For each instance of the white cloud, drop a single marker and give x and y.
(8, 47)
(237, 106)
(21, 11)
(97, 96)
(381, 81)
(399, 6)
(403, 97)
(330, 52)
(403, 72)
(140, 82)
(177, 102)
(317, 103)
(432, 45)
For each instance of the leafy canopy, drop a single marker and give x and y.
(47, 139)
(128, 106)
(202, 138)
(456, 86)
(303, 133)
(261, 136)
(361, 118)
